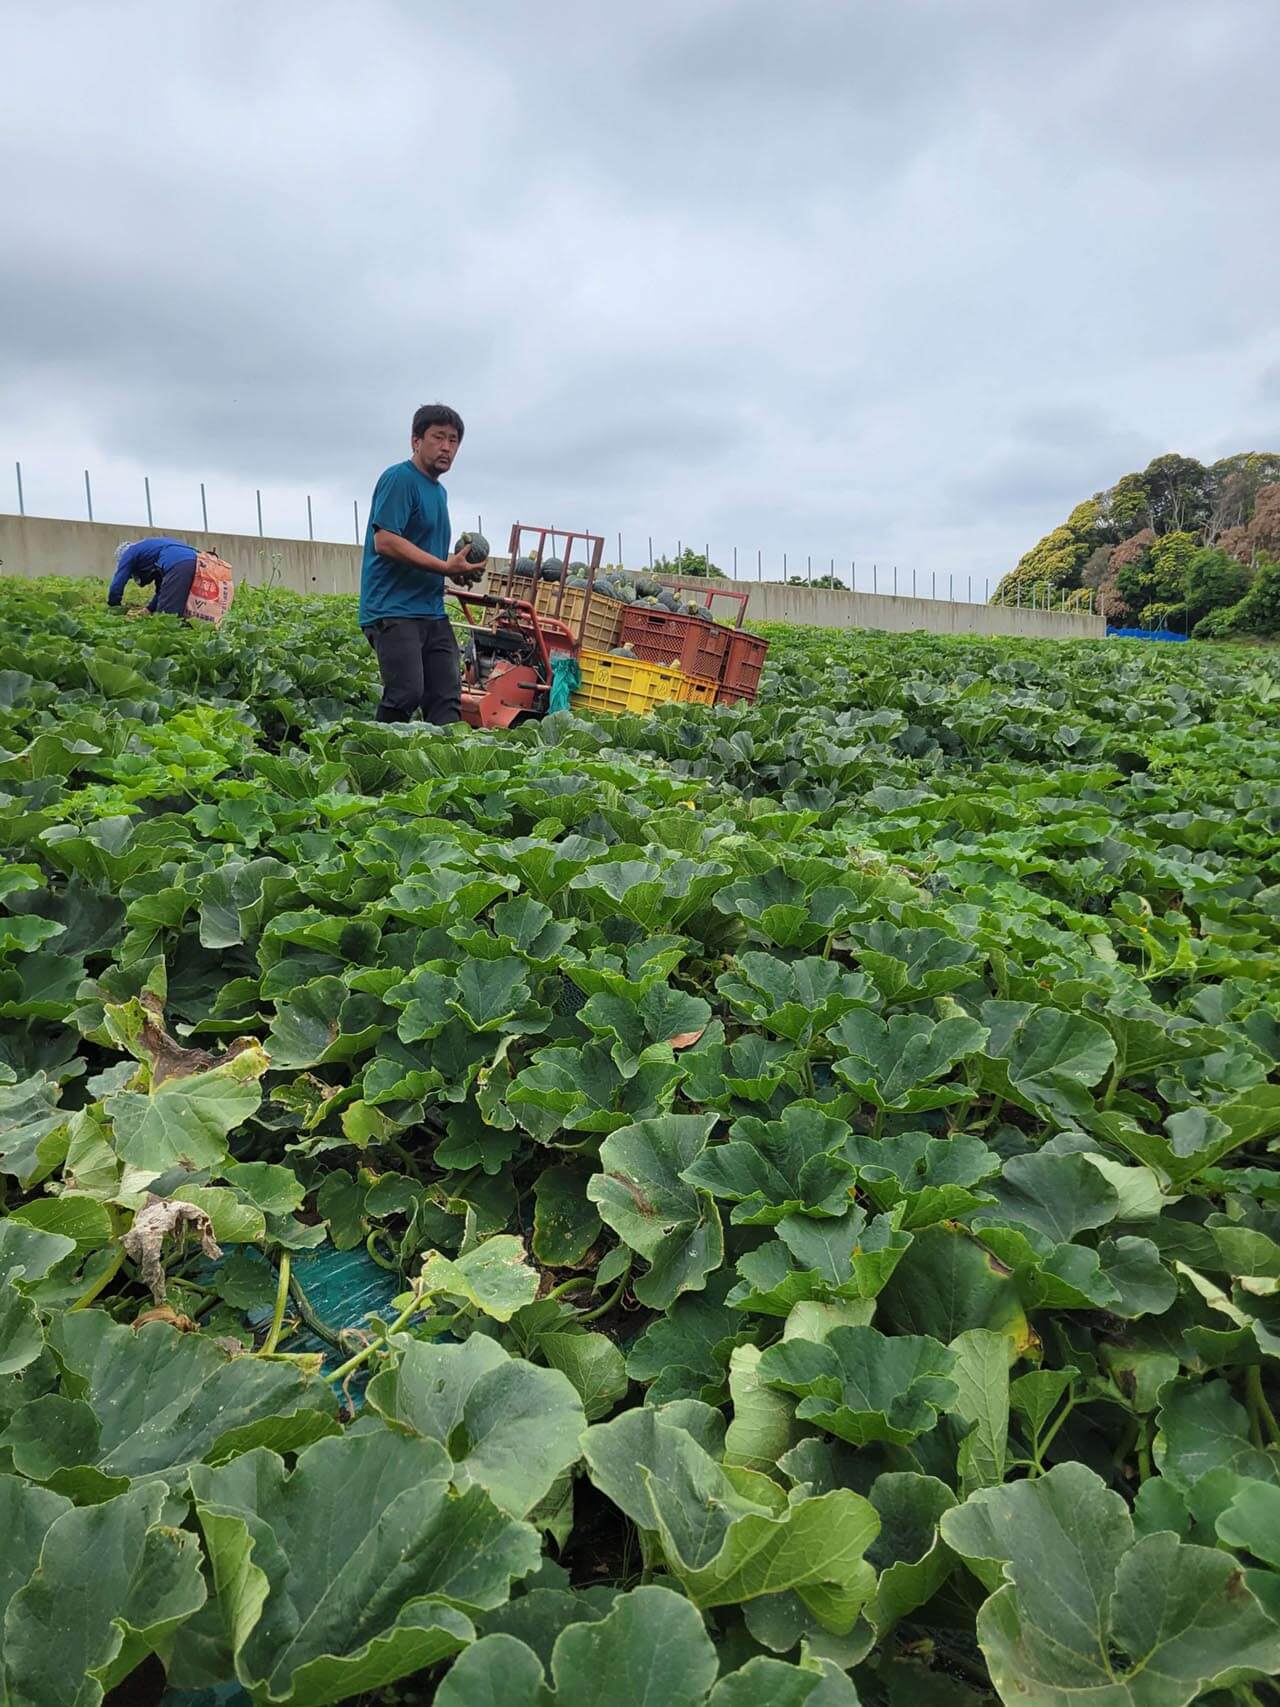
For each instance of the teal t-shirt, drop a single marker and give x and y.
(407, 503)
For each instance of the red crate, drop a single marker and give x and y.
(696, 646)
(744, 661)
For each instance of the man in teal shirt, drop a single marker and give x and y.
(402, 577)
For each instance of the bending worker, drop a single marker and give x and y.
(165, 564)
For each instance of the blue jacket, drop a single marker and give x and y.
(148, 562)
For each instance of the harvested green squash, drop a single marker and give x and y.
(476, 545)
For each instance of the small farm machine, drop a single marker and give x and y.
(510, 649)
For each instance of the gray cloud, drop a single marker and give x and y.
(899, 283)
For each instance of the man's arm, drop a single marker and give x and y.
(120, 580)
(401, 550)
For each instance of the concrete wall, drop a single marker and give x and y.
(40, 545)
(827, 607)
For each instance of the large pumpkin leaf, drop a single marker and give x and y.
(1045, 1059)
(933, 1179)
(909, 1553)
(111, 1583)
(147, 1403)
(510, 1427)
(642, 1195)
(1088, 1613)
(771, 1169)
(862, 1386)
(893, 1063)
(651, 1648)
(728, 1544)
(795, 999)
(355, 1569)
(184, 1119)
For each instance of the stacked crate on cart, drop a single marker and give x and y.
(617, 684)
(743, 664)
(690, 643)
(728, 660)
(604, 615)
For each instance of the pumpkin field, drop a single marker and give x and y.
(759, 1204)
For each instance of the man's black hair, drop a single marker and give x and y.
(436, 415)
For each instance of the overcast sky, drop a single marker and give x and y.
(893, 280)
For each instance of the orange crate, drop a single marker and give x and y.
(693, 644)
(743, 665)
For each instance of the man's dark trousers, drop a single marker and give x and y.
(418, 660)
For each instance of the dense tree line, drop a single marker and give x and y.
(1182, 544)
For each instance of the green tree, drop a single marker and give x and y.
(1236, 482)
(1258, 612)
(1057, 560)
(1234, 503)
(1127, 506)
(1170, 563)
(1214, 582)
(691, 565)
(1179, 492)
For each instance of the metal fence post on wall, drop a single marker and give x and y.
(21, 506)
(88, 494)
(809, 570)
(759, 564)
(784, 569)
(355, 511)
(204, 508)
(895, 580)
(913, 583)
(310, 530)
(651, 551)
(146, 481)
(260, 533)
(951, 589)
(735, 563)
(933, 583)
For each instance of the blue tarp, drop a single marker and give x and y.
(1144, 634)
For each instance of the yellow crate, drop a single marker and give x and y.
(698, 691)
(626, 684)
(604, 619)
